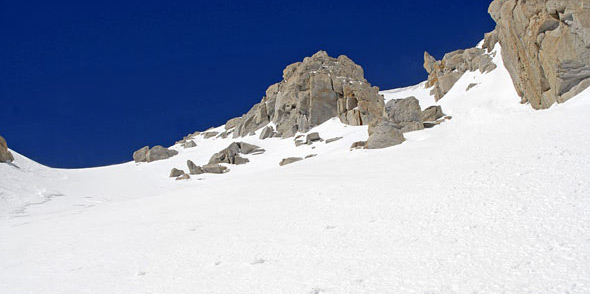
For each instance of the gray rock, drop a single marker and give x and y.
(310, 156)
(312, 137)
(159, 153)
(545, 47)
(333, 140)
(183, 177)
(384, 134)
(405, 113)
(141, 154)
(189, 144)
(299, 143)
(208, 135)
(176, 173)
(5, 155)
(289, 160)
(215, 169)
(267, 132)
(470, 86)
(194, 169)
(432, 113)
(231, 154)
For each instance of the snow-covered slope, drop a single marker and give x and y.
(496, 200)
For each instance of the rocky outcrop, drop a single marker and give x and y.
(313, 91)
(545, 47)
(189, 144)
(176, 173)
(443, 74)
(158, 152)
(384, 134)
(405, 113)
(289, 160)
(231, 154)
(5, 155)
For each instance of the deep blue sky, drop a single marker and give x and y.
(85, 83)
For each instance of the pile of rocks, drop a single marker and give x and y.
(5, 155)
(158, 152)
(197, 170)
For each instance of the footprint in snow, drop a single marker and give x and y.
(330, 227)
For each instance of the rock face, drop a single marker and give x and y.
(443, 74)
(5, 155)
(384, 134)
(313, 91)
(158, 152)
(231, 154)
(545, 47)
(405, 113)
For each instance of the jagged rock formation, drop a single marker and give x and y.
(5, 155)
(443, 74)
(267, 132)
(231, 154)
(313, 91)
(406, 113)
(158, 152)
(545, 47)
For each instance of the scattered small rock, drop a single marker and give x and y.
(176, 173)
(470, 86)
(310, 156)
(333, 140)
(359, 145)
(215, 169)
(289, 160)
(208, 135)
(312, 137)
(189, 144)
(183, 177)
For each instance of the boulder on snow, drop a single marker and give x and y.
(312, 137)
(176, 173)
(290, 160)
(194, 169)
(405, 113)
(208, 135)
(432, 113)
(189, 144)
(215, 169)
(5, 155)
(145, 154)
(384, 134)
(159, 153)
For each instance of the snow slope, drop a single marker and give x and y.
(496, 200)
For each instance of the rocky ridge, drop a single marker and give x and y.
(5, 155)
